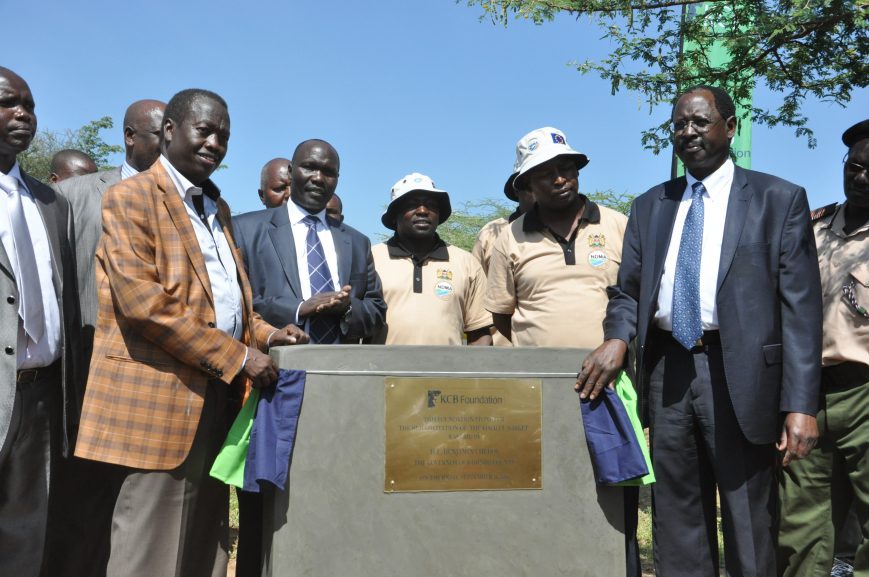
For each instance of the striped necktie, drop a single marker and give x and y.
(322, 329)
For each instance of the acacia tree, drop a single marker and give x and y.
(810, 48)
(36, 160)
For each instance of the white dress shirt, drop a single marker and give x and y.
(300, 235)
(47, 350)
(714, 213)
(222, 272)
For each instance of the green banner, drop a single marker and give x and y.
(719, 56)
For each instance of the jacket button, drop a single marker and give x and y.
(219, 373)
(10, 299)
(10, 351)
(211, 325)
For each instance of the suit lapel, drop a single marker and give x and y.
(737, 212)
(343, 251)
(281, 235)
(662, 230)
(181, 220)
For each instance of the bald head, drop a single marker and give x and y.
(68, 163)
(142, 124)
(274, 182)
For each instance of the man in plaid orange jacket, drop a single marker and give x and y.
(175, 333)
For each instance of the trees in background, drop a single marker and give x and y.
(36, 160)
(465, 222)
(811, 48)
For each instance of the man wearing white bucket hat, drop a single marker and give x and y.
(549, 269)
(434, 291)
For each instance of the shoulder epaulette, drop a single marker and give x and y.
(824, 211)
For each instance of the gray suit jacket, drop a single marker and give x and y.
(265, 239)
(85, 195)
(59, 226)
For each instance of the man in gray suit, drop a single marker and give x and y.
(85, 193)
(86, 495)
(39, 325)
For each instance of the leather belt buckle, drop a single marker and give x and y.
(26, 376)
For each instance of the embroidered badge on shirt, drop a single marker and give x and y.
(444, 274)
(443, 289)
(597, 240)
(597, 258)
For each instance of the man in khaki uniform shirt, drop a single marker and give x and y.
(482, 250)
(549, 269)
(433, 291)
(818, 490)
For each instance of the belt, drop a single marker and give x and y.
(845, 375)
(29, 376)
(701, 345)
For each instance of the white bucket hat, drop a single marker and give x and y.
(542, 145)
(415, 182)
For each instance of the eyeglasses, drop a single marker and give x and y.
(848, 291)
(700, 125)
(856, 167)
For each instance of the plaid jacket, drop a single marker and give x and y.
(156, 345)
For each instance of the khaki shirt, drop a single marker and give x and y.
(482, 251)
(843, 259)
(438, 306)
(556, 291)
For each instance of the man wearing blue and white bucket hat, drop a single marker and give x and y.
(433, 290)
(549, 269)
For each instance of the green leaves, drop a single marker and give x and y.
(36, 160)
(810, 48)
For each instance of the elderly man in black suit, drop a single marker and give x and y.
(719, 283)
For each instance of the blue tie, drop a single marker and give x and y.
(321, 329)
(687, 326)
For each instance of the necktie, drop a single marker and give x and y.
(30, 307)
(321, 329)
(687, 325)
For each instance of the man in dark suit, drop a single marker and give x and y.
(274, 245)
(279, 245)
(39, 329)
(719, 284)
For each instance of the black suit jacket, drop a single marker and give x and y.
(265, 239)
(768, 299)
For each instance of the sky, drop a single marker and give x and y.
(396, 86)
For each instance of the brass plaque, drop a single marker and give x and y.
(462, 434)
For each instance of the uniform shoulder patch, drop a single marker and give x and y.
(824, 211)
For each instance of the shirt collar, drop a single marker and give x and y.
(837, 223)
(297, 213)
(714, 181)
(15, 172)
(397, 250)
(185, 187)
(590, 214)
(127, 171)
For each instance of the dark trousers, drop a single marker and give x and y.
(698, 447)
(248, 560)
(32, 443)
